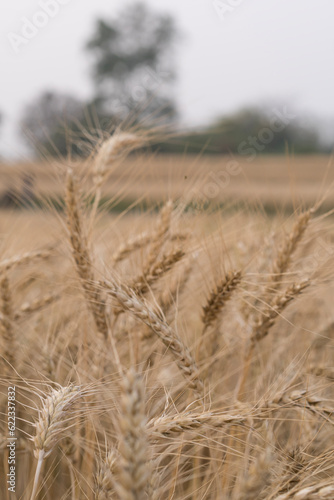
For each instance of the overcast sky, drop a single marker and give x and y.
(258, 51)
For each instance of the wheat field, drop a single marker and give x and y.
(269, 180)
(181, 352)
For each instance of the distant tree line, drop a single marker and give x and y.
(133, 72)
(250, 132)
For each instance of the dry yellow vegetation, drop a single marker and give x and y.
(177, 353)
(271, 180)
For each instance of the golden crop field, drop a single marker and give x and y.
(178, 352)
(270, 180)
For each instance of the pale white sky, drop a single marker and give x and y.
(261, 51)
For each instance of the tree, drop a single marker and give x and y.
(54, 124)
(132, 67)
(132, 72)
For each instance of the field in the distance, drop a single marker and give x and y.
(272, 181)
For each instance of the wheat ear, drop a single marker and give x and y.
(116, 147)
(36, 305)
(289, 245)
(54, 418)
(183, 357)
(134, 471)
(104, 479)
(283, 258)
(295, 463)
(82, 257)
(142, 283)
(134, 243)
(186, 421)
(268, 316)
(322, 491)
(168, 296)
(25, 258)
(159, 237)
(219, 296)
(265, 321)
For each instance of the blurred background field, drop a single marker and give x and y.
(218, 125)
(269, 181)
